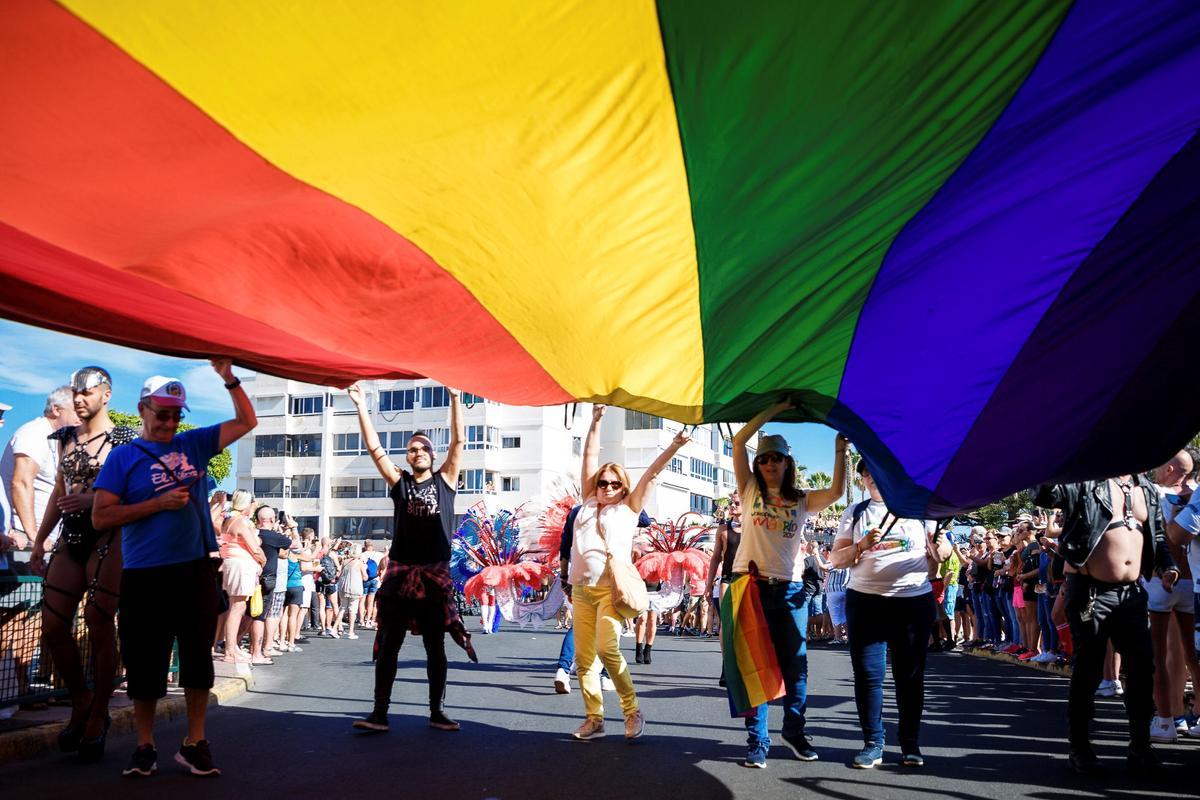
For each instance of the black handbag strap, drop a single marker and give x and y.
(179, 483)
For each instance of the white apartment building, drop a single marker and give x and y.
(307, 458)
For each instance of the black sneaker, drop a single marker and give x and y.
(1084, 762)
(801, 747)
(197, 758)
(143, 763)
(375, 721)
(440, 721)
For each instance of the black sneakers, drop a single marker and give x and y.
(197, 758)
(376, 721)
(1084, 761)
(802, 747)
(143, 763)
(440, 721)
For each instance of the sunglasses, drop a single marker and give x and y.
(163, 415)
(603, 484)
(418, 449)
(769, 458)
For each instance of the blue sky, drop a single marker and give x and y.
(34, 361)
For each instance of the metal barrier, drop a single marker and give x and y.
(26, 672)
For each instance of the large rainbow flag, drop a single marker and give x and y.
(966, 234)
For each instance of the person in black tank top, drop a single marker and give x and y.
(416, 591)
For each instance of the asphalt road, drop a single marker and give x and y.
(991, 730)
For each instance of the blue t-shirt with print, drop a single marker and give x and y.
(167, 537)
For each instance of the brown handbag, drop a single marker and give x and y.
(629, 595)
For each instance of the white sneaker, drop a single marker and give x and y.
(1118, 689)
(606, 684)
(626, 634)
(1162, 729)
(1194, 731)
(562, 681)
(1107, 689)
(351, 635)
(590, 729)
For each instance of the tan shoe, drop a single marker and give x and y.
(635, 724)
(591, 728)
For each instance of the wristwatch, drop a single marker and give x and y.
(236, 382)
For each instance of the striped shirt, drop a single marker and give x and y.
(837, 580)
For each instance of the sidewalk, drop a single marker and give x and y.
(1057, 669)
(31, 733)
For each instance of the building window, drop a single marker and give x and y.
(303, 446)
(346, 444)
(306, 522)
(435, 397)
(269, 446)
(482, 437)
(727, 447)
(268, 487)
(306, 486)
(473, 399)
(372, 487)
(475, 481)
(637, 421)
(676, 465)
(701, 504)
(272, 406)
(510, 484)
(302, 406)
(440, 438)
(726, 477)
(398, 400)
(347, 491)
(703, 470)
(396, 442)
(361, 527)
(510, 442)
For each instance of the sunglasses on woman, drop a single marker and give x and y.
(603, 484)
(769, 458)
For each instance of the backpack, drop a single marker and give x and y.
(372, 569)
(328, 570)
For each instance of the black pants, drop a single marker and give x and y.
(395, 616)
(876, 625)
(162, 606)
(1118, 613)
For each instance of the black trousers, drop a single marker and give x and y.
(1099, 613)
(395, 616)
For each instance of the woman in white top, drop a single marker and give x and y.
(773, 515)
(605, 525)
(351, 587)
(889, 606)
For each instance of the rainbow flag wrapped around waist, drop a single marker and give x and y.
(752, 673)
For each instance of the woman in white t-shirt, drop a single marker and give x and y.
(889, 605)
(604, 528)
(773, 515)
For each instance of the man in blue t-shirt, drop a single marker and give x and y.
(155, 491)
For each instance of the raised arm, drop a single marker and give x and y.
(741, 459)
(820, 499)
(453, 463)
(637, 498)
(591, 454)
(244, 419)
(387, 468)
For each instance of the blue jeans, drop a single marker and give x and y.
(875, 624)
(785, 607)
(984, 615)
(1046, 622)
(566, 654)
(1014, 626)
(1000, 614)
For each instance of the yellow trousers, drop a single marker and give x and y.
(598, 640)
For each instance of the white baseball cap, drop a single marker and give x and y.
(167, 392)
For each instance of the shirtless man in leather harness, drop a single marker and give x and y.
(86, 561)
(1112, 536)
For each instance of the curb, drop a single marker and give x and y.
(30, 742)
(1061, 670)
